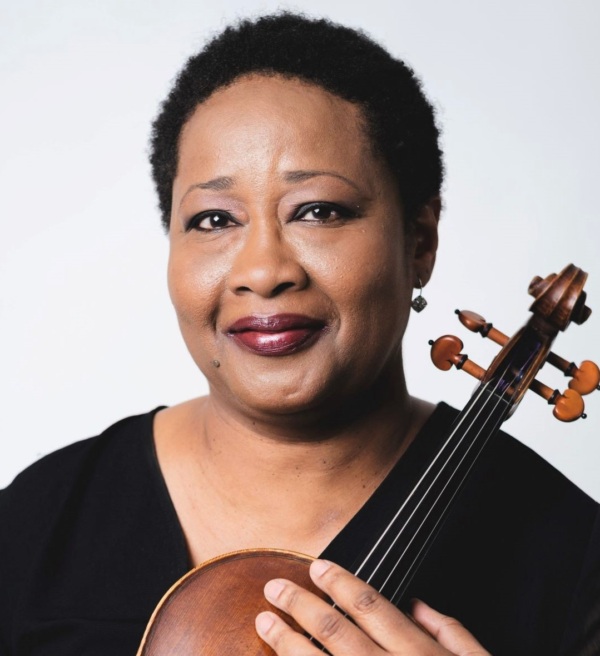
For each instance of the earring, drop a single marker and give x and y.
(419, 303)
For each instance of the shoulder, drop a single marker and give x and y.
(83, 473)
(88, 545)
(529, 480)
(60, 470)
(519, 510)
(509, 469)
(523, 540)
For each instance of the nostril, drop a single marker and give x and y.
(278, 289)
(282, 287)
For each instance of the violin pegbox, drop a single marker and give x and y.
(559, 300)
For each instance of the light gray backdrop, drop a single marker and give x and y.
(87, 332)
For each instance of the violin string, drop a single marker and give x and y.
(424, 498)
(465, 418)
(426, 543)
(390, 525)
(410, 572)
(479, 392)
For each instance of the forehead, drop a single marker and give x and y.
(278, 95)
(281, 118)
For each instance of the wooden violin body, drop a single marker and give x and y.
(212, 609)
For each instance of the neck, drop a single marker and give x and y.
(354, 447)
(316, 473)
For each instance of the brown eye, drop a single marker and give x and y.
(323, 212)
(211, 220)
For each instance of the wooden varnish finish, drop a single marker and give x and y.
(211, 610)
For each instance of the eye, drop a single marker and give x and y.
(211, 220)
(323, 212)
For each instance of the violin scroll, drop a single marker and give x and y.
(559, 300)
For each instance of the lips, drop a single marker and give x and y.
(277, 334)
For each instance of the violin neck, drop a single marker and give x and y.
(396, 555)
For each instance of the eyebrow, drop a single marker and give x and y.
(224, 183)
(301, 176)
(217, 184)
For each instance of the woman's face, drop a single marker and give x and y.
(289, 262)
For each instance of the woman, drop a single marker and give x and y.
(299, 174)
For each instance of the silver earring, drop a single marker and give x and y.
(419, 303)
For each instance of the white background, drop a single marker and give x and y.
(87, 331)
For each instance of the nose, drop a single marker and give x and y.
(266, 264)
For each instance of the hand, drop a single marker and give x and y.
(380, 627)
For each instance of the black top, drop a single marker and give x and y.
(89, 543)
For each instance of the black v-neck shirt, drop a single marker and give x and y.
(90, 541)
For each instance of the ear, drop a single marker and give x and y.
(425, 240)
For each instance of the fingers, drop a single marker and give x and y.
(373, 613)
(450, 633)
(322, 621)
(281, 638)
(361, 622)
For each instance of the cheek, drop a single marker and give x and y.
(194, 288)
(379, 303)
(369, 283)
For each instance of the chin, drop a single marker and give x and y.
(276, 394)
(270, 398)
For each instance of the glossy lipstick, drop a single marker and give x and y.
(277, 334)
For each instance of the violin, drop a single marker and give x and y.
(212, 609)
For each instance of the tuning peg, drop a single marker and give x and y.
(568, 406)
(477, 324)
(585, 378)
(446, 351)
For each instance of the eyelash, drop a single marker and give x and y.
(340, 210)
(299, 212)
(196, 220)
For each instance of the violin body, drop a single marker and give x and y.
(211, 610)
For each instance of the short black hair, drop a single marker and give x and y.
(400, 120)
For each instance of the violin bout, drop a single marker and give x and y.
(212, 609)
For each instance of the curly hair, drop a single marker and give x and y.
(399, 119)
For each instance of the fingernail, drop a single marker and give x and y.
(273, 589)
(264, 621)
(319, 567)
